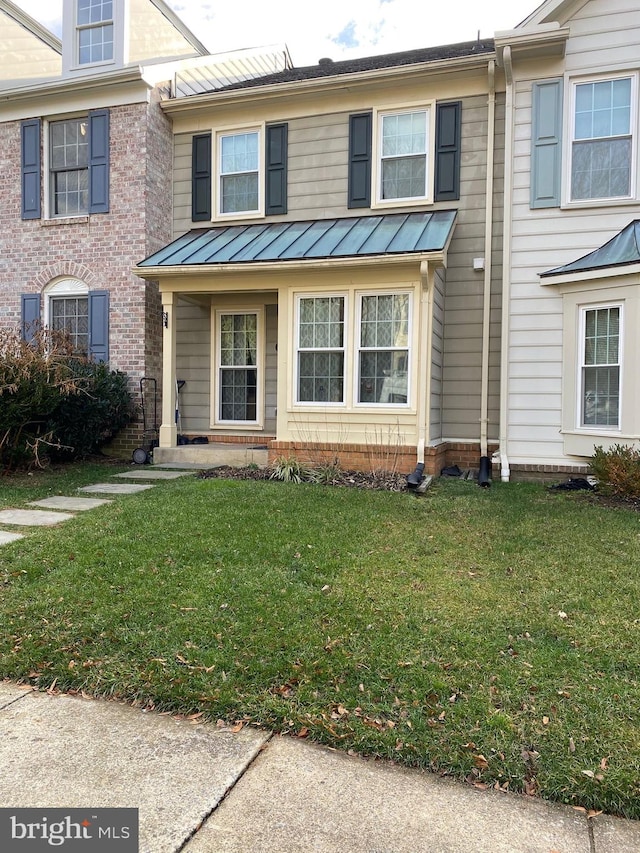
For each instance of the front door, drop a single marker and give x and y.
(238, 368)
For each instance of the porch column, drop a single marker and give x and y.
(168, 430)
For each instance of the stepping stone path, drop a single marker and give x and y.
(46, 512)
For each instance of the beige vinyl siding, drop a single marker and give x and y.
(193, 363)
(604, 39)
(23, 54)
(464, 287)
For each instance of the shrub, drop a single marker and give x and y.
(289, 469)
(53, 403)
(617, 470)
(34, 377)
(102, 405)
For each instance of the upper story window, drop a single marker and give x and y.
(94, 22)
(239, 167)
(69, 167)
(403, 155)
(602, 142)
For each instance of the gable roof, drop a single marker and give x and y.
(620, 251)
(553, 10)
(328, 68)
(310, 240)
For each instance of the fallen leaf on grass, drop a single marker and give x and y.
(480, 762)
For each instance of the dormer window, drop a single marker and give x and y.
(94, 26)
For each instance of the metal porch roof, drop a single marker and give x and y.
(621, 250)
(362, 236)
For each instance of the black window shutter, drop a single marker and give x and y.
(201, 178)
(99, 325)
(276, 169)
(447, 167)
(359, 186)
(30, 144)
(99, 161)
(30, 306)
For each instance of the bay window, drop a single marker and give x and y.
(600, 366)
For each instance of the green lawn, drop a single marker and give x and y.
(490, 634)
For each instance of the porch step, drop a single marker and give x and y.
(210, 455)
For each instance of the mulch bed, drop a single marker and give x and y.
(390, 482)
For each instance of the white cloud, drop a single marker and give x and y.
(340, 29)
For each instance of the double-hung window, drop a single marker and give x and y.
(602, 143)
(403, 163)
(600, 373)
(320, 349)
(383, 351)
(239, 167)
(69, 167)
(94, 22)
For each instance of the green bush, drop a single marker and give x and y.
(617, 470)
(102, 405)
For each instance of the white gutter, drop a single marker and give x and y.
(506, 265)
(488, 248)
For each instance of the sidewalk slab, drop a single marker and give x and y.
(68, 752)
(298, 797)
(11, 692)
(115, 488)
(151, 474)
(32, 517)
(615, 835)
(6, 537)
(79, 504)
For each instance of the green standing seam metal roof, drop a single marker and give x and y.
(361, 236)
(621, 250)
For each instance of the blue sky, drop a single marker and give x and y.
(340, 29)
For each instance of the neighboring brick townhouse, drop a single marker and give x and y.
(84, 181)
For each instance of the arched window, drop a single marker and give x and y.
(66, 309)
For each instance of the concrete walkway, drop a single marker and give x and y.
(52, 511)
(201, 788)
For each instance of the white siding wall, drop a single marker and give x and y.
(605, 37)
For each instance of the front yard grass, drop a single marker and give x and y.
(492, 635)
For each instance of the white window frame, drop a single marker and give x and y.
(358, 348)
(220, 134)
(97, 25)
(297, 349)
(48, 170)
(65, 288)
(379, 114)
(571, 96)
(216, 421)
(580, 365)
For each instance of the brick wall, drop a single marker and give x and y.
(101, 249)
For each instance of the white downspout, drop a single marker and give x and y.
(488, 248)
(506, 265)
